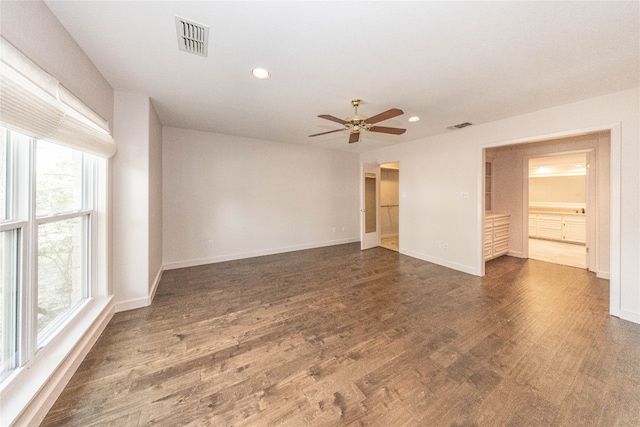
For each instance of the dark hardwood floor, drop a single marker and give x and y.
(335, 336)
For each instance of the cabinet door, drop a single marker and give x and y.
(550, 226)
(575, 229)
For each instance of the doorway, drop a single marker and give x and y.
(557, 209)
(390, 206)
(508, 191)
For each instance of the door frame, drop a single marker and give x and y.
(372, 239)
(615, 176)
(592, 255)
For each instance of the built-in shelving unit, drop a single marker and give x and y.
(496, 235)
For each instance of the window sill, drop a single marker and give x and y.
(29, 392)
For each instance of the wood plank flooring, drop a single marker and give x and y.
(337, 336)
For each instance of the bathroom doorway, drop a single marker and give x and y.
(390, 206)
(558, 209)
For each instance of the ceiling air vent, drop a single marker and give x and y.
(192, 37)
(460, 126)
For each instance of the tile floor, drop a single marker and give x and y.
(558, 252)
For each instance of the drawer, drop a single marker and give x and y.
(501, 248)
(553, 222)
(500, 222)
(501, 233)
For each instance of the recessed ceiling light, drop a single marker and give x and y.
(414, 119)
(260, 73)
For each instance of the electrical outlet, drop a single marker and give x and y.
(334, 230)
(445, 245)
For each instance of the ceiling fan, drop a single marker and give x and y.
(354, 124)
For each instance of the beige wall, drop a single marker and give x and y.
(558, 189)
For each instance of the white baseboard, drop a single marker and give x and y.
(630, 316)
(603, 275)
(132, 304)
(154, 287)
(442, 262)
(516, 254)
(145, 301)
(233, 257)
(34, 388)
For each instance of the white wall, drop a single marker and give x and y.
(155, 200)
(136, 186)
(437, 169)
(434, 172)
(227, 197)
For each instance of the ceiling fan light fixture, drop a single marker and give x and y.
(356, 123)
(260, 73)
(414, 119)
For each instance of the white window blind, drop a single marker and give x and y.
(36, 104)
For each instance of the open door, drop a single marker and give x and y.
(369, 194)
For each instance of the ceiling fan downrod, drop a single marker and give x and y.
(355, 121)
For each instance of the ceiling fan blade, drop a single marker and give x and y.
(331, 131)
(384, 116)
(354, 137)
(384, 129)
(332, 118)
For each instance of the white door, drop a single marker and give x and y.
(369, 202)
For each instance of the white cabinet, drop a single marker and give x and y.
(574, 229)
(550, 226)
(569, 228)
(496, 235)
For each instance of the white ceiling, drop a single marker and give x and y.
(446, 62)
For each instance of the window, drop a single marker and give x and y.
(45, 241)
(54, 279)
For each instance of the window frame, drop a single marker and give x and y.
(22, 219)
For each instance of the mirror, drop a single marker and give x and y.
(370, 203)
